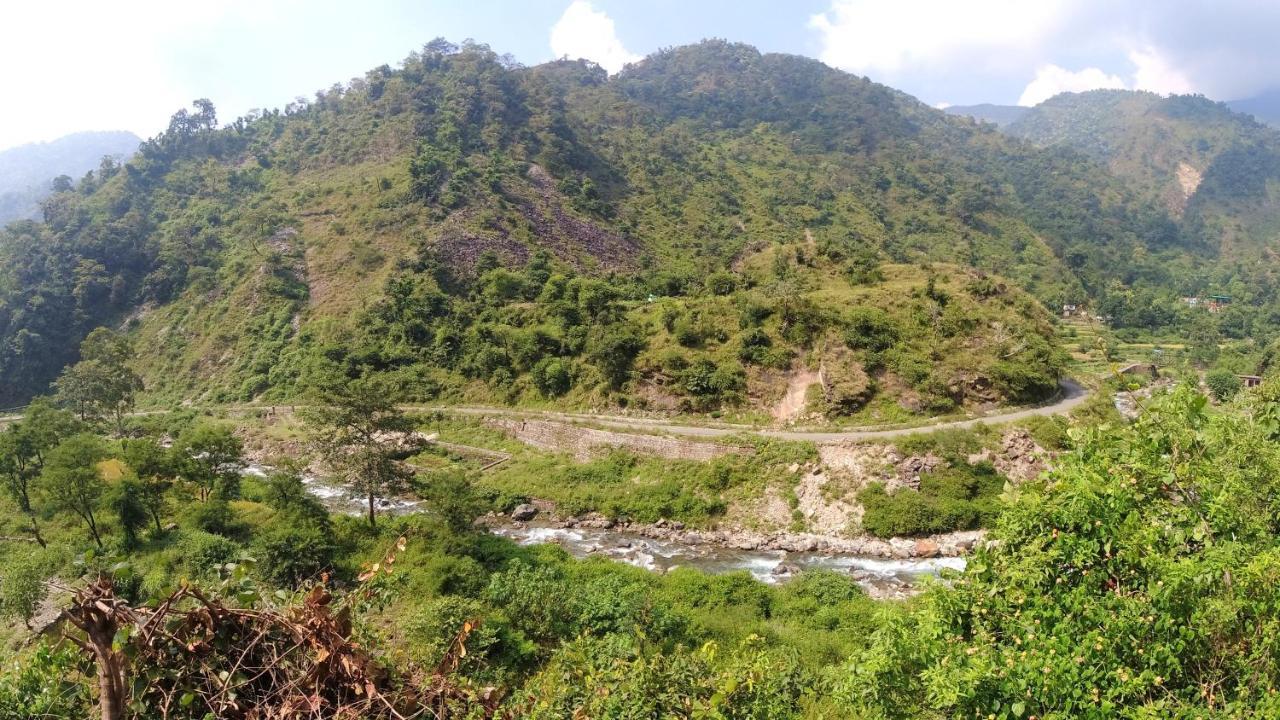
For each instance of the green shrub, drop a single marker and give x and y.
(49, 683)
(552, 377)
(22, 587)
(290, 554)
(1223, 384)
(960, 498)
(870, 329)
(203, 552)
(430, 631)
(215, 516)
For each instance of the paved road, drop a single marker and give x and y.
(1072, 395)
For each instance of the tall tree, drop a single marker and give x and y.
(126, 500)
(155, 468)
(23, 448)
(211, 457)
(72, 481)
(362, 434)
(102, 385)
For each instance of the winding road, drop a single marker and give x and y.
(1073, 393)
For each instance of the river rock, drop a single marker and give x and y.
(927, 549)
(786, 568)
(524, 512)
(901, 548)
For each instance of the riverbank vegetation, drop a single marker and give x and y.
(1163, 531)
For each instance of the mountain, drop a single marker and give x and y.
(686, 235)
(27, 171)
(1000, 115)
(1264, 108)
(1215, 168)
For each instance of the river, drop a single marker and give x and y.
(881, 577)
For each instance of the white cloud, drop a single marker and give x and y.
(584, 32)
(1051, 80)
(876, 37)
(92, 65)
(1155, 73)
(942, 105)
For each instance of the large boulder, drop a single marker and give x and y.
(524, 512)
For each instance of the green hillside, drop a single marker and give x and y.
(475, 227)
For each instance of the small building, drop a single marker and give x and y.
(1068, 310)
(1250, 381)
(1216, 303)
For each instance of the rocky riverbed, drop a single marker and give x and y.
(662, 549)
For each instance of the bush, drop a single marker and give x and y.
(1223, 384)
(289, 555)
(948, 500)
(721, 283)
(870, 329)
(202, 552)
(711, 384)
(22, 587)
(216, 516)
(431, 629)
(753, 346)
(552, 377)
(47, 684)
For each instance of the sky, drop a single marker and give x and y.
(78, 65)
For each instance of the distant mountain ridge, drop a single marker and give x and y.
(1001, 115)
(1265, 108)
(27, 171)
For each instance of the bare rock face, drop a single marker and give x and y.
(1020, 458)
(911, 468)
(524, 512)
(878, 463)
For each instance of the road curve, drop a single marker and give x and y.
(1073, 393)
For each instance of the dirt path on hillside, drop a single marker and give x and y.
(793, 401)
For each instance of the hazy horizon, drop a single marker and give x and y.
(161, 57)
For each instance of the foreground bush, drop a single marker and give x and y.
(1137, 580)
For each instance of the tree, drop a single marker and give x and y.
(23, 448)
(101, 385)
(126, 501)
(1163, 530)
(361, 433)
(155, 469)
(71, 480)
(210, 457)
(614, 351)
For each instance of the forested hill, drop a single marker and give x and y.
(479, 227)
(27, 172)
(1195, 155)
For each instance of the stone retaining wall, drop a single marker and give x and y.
(585, 443)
